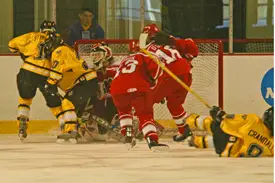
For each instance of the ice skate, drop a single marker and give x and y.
(23, 126)
(155, 146)
(71, 137)
(181, 137)
(69, 134)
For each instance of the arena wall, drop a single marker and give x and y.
(243, 75)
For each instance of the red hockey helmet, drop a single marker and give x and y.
(151, 30)
(187, 48)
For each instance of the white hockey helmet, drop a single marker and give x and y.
(100, 56)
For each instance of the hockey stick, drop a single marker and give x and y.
(170, 73)
(113, 132)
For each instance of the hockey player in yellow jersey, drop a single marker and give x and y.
(33, 74)
(235, 135)
(71, 74)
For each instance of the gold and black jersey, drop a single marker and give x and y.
(29, 45)
(253, 138)
(248, 135)
(68, 69)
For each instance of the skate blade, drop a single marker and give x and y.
(22, 138)
(160, 148)
(66, 138)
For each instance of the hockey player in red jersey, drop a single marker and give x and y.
(177, 55)
(130, 89)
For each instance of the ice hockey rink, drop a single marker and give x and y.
(41, 160)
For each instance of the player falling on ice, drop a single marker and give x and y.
(130, 89)
(177, 55)
(33, 74)
(235, 135)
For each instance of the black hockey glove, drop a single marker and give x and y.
(163, 101)
(51, 89)
(163, 38)
(217, 114)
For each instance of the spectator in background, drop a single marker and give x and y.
(85, 28)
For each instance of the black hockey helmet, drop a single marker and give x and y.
(48, 26)
(268, 119)
(52, 42)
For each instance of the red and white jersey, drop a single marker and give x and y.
(135, 73)
(171, 57)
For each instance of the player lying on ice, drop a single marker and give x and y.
(234, 135)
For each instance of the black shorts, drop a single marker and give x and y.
(82, 93)
(27, 84)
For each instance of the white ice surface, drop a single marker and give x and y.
(40, 160)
